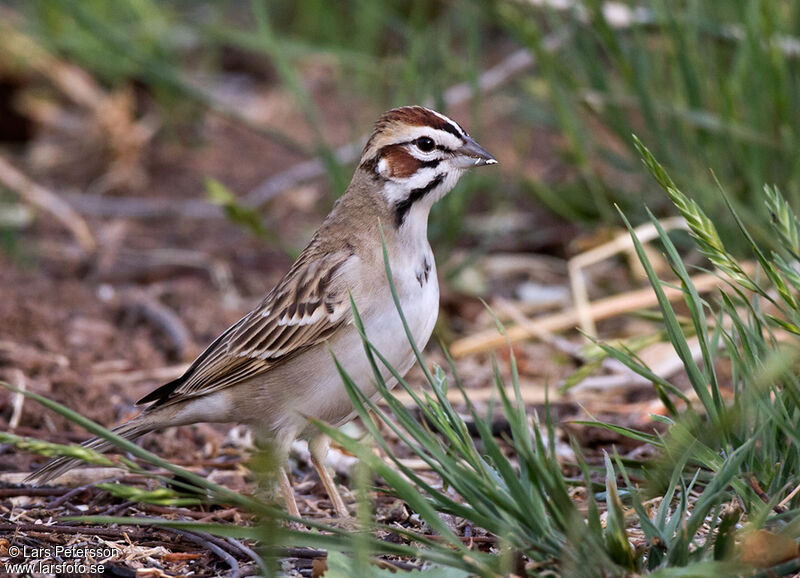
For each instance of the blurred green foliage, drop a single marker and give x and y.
(703, 83)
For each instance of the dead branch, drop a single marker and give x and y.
(178, 512)
(44, 199)
(621, 243)
(28, 356)
(598, 310)
(96, 205)
(72, 478)
(762, 495)
(789, 497)
(530, 394)
(504, 306)
(18, 380)
(247, 551)
(73, 82)
(63, 529)
(624, 377)
(58, 502)
(207, 541)
(303, 553)
(489, 80)
(164, 319)
(28, 491)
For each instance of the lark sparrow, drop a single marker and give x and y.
(274, 367)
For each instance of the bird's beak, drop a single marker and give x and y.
(473, 155)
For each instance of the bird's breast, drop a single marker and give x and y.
(417, 288)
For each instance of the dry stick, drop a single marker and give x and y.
(489, 80)
(42, 198)
(82, 89)
(142, 208)
(530, 394)
(161, 317)
(518, 317)
(626, 377)
(205, 540)
(600, 309)
(789, 497)
(172, 511)
(17, 379)
(303, 553)
(249, 552)
(623, 242)
(28, 491)
(121, 378)
(74, 82)
(753, 483)
(48, 529)
(57, 503)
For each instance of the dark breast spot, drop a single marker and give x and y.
(424, 272)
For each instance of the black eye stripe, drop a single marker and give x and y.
(431, 164)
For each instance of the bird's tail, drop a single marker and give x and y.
(132, 430)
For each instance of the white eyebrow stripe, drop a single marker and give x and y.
(451, 122)
(441, 137)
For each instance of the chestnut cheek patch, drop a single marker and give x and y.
(400, 164)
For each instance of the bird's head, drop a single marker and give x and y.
(417, 155)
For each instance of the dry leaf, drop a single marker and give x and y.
(763, 549)
(318, 567)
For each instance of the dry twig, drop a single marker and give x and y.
(163, 318)
(210, 543)
(17, 398)
(600, 309)
(44, 199)
(530, 395)
(623, 242)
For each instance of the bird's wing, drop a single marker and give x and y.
(308, 306)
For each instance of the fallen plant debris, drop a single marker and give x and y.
(666, 447)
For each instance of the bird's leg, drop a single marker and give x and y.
(318, 447)
(288, 494)
(271, 457)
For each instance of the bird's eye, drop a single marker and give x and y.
(425, 144)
